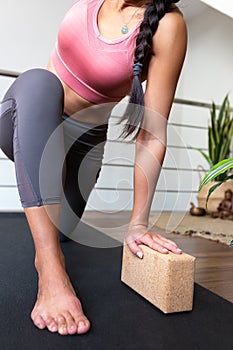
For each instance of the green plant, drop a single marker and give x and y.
(221, 168)
(218, 171)
(220, 134)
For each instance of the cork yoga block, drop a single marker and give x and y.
(166, 280)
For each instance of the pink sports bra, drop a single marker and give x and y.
(97, 69)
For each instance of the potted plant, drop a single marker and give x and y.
(220, 134)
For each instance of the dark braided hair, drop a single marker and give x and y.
(154, 12)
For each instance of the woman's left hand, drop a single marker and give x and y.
(139, 234)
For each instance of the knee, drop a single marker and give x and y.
(37, 82)
(41, 75)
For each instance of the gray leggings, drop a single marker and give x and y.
(57, 159)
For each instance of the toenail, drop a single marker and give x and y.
(54, 328)
(81, 324)
(62, 329)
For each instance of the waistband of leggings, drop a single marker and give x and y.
(83, 125)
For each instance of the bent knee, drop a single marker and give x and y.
(38, 83)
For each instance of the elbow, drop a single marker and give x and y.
(153, 145)
(153, 128)
(150, 139)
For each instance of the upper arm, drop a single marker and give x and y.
(169, 48)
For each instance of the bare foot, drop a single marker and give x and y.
(57, 307)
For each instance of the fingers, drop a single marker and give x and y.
(155, 242)
(135, 249)
(167, 243)
(160, 243)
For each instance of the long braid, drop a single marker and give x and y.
(153, 14)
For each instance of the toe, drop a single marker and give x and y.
(83, 325)
(50, 323)
(62, 326)
(70, 322)
(52, 326)
(39, 322)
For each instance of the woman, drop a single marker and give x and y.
(104, 47)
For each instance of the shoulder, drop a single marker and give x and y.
(173, 20)
(171, 31)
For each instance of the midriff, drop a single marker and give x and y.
(79, 108)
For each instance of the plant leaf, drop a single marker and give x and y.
(214, 130)
(211, 190)
(207, 158)
(222, 110)
(211, 147)
(217, 170)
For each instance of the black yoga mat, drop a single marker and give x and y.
(121, 319)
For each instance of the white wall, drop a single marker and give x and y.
(28, 30)
(27, 33)
(225, 6)
(27, 38)
(208, 70)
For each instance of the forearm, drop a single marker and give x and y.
(150, 152)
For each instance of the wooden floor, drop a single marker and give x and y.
(214, 261)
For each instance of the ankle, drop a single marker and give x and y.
(49, 260)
